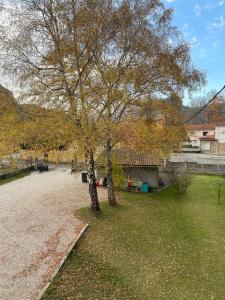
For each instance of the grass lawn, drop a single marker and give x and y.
(5, 170)
(155, 246)
(14, 177)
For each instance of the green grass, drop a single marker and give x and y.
(14, 177)
(5, 170)
(155, 246)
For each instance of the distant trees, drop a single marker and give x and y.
(32, 127)
(214, 112)
(44, 129)
(98, 62)
(8, 122)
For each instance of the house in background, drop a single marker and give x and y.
(143, 167)
(207, 138)
(196, 132)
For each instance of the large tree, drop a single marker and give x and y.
(140, 56)
(96, 60)
(51, 52)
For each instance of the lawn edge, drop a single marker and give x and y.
(62, 262)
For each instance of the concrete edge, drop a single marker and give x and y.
(62, 262)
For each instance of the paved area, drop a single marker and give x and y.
(198, 158)
(37, 227)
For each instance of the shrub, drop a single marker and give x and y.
(118, 177)
(180, 179)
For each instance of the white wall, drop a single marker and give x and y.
(220, 134)
(195, 135)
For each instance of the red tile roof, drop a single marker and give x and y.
(220, 124)
(200, 127)
(131, 158)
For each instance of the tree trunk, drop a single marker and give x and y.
(111, 193)
(92, 183)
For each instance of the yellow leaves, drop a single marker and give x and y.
(54, 156)
(141, 135)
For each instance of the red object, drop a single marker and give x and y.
(97, 183)
(130, 183)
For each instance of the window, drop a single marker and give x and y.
(194, 143)
(205, 133)
(192, 133)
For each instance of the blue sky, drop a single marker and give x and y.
(202, 22)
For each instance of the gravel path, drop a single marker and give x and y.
(37, 227)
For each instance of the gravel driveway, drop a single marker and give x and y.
(37, 228)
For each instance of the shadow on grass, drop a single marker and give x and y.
(14, 177)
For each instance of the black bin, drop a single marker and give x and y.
(84, 177)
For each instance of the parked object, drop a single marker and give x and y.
(84, 176)
(42, 167)
(144, 187)
(161, 183)
(105, 182)
(101, 180)
(129, 184)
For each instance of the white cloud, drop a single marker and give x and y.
(194, 41)
(221, 2)
(218, 23)
(188, 33)
(197, 10)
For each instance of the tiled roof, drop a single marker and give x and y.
(200, 127)
(131, 158)
(208, 138)
(220, 124)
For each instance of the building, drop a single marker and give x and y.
(142, 167)
(207, 138)
(196, 132)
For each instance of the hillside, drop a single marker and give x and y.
(7, 101)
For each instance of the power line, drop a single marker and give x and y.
(204, 106)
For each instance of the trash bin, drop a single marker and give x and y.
(144, 188)
(84, 176)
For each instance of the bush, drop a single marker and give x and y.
(180, 180)
(118, 177)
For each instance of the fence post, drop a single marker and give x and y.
(218, 198)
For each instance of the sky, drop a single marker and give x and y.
(202, 22)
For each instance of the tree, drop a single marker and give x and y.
(51, 52)
(9, 118)
(44, 129)
(136, 62)
(213, 113)
(96, 60)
